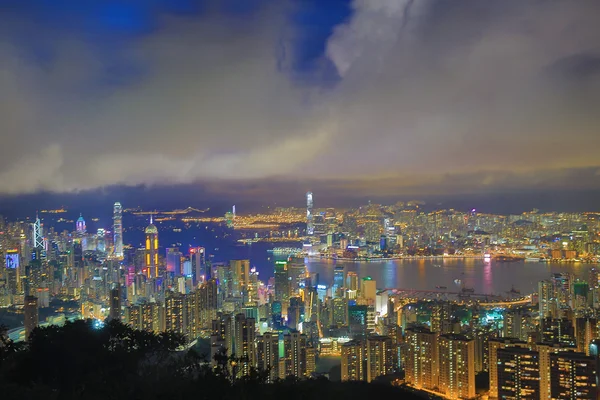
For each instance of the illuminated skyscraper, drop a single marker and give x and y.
(37, 234)
(267, 354)
(174, 312)
(80, 225)
(310, 228)
(518, 373)
(544, 351)
(243, 343)
(151, 253)
(352, 361)
(546, 299)
(573, 376)
(30, 311)
(240, 270)
(282, 283)
(380, 357)
(457, 366)
(494, 345)
(118, 230)
(174, 261)
(199, 270)
(421, 358)
(338, 281)
(294, 344)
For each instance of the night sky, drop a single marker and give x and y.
(262, 100)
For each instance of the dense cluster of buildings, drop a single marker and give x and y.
(542, 345)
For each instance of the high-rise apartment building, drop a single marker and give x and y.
(353, 360)
(244, 343)
(518, 373)
(494, 345)
(380, 356)
(294, 345)
(267, 354)
(456, 366)
(175, 312)
(421, 365)
(573, 376)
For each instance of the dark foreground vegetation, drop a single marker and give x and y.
(82, 360)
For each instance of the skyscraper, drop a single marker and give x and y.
(240, 270)
(174, 261)
(80, 225)
(31, 315)
(310, 228)
(115, 304)
(573, 376)
(294, 344)
(380, 357)
(243, 343)
(494, 345)
(174, 312)
(118, 230)
(267, 354)
(518, 373)
(352, 361)
(457, 366)
(151, 253)
(199, 270)
(421, 359)
(338, 281)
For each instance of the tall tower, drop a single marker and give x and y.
(80, 225)
(310, 227)
(151, 256)
(118, 230)
(38, 236)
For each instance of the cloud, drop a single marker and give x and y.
(497, 93)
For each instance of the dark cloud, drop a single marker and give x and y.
(426, 97)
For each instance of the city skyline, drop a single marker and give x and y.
(464, 98)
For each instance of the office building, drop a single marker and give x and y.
(118, 230)
(240, 270)
(174, 261)
(151, 251)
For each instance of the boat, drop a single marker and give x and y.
(457, 281)
(502, 258)
(437, 265)
(441, 287)
(532, 259)
(468, 290)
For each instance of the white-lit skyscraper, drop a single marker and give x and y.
(118, 229)
(310, 228)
